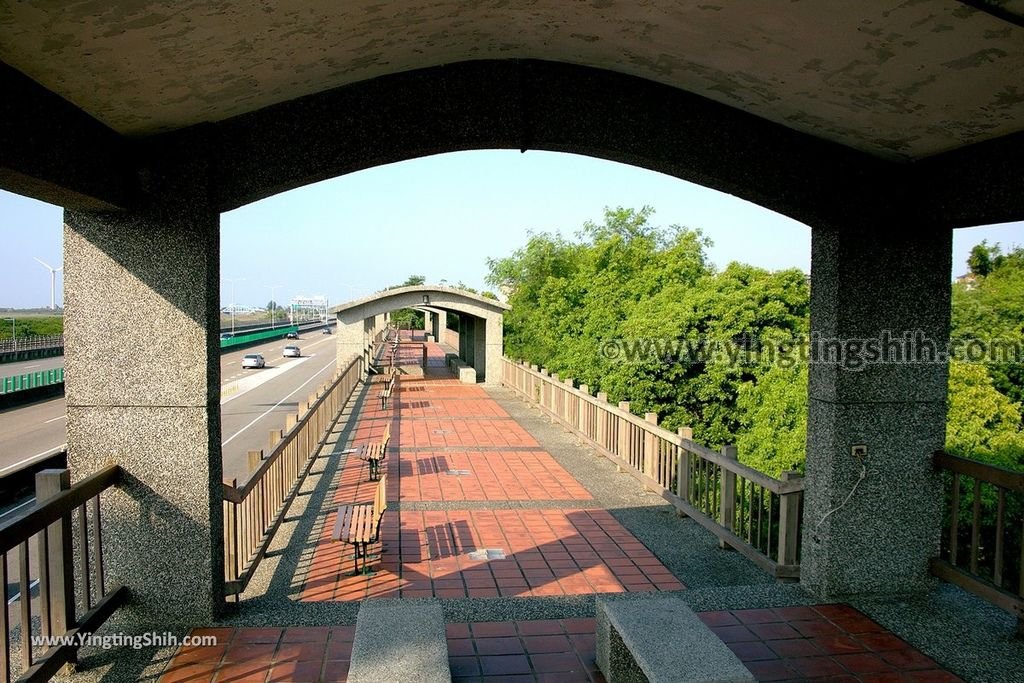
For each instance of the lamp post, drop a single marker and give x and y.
(233, 280)
(14, 337)
(273, 288)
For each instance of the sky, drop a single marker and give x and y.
(441, 217)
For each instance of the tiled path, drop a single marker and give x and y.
(484, 512)
(827, 642)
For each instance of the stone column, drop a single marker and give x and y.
(865, 283)
(351, 336)
(480, 348)
(440, 325)
(495, 335)
(143, 391)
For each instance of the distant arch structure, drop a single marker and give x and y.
(481, 323)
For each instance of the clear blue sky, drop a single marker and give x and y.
(441, 217)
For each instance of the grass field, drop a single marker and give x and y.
(30, 324)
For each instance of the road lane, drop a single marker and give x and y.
(23, 367)
(40, 428)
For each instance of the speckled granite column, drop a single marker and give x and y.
(495, 347)
(351, 337)
(142, 387)
(480, 347)
(865, 283)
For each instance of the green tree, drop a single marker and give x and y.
(982, 423)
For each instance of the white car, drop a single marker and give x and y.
(253, 360)
(292, 351)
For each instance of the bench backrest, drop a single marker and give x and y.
(386, 436)
(380, 500)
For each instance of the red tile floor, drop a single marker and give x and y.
(826, 642)
(440, 425)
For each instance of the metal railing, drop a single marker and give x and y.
(63, 528)
(982, 547)
(254, 511)
(49, 341)
(749, 511)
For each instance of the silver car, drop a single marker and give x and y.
(292, 351)
(253, 360)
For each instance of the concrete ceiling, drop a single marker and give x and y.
(898, 79)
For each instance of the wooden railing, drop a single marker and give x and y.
(62, 532)
(749, 511)
(983, 541)
(254, 511)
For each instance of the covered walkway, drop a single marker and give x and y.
(513, 527)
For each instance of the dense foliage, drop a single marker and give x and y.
(640, 313)
(31, 325)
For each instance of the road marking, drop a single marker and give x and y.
(29, 367)
(269, 410)
(54, 419)
(18, 507)
(21, 463)
(35, 582)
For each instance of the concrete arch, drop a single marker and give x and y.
(482, 319)
(550, 106)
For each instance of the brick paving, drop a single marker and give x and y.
(452, 444)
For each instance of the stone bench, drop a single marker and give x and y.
(660, 640)
(401, 642)
(465, 373)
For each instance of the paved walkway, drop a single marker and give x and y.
(487, 520)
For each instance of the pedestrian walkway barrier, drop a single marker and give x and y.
(982, 549)
(254, 511)
(755, 514)
(31, 380)
(64, 529)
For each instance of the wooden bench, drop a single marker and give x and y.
(389, 387)
(359, 524)
(373, 453)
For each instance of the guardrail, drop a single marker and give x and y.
(250, 337)
(254, 511)
(757, 515)
(47, 341)
(31, 380)
(73, 594)
(983, 554)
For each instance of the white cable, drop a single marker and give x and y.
(862, 477)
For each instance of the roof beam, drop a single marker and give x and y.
(52, 151)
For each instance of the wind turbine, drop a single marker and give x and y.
(53, 281)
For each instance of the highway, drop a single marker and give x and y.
(253, 403)
(23, 367)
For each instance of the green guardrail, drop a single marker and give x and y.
(31, 380)
(241, 339)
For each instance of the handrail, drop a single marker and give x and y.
(66, 521)
(38, 517)
(751, 512)
(990, 474)
(254, 511)
(993, 546)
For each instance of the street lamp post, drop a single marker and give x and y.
(233, 280)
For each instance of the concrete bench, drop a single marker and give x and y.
(401, 642)
(465, 373)
(661, 640)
